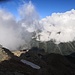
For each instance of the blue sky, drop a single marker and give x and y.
(43, 7)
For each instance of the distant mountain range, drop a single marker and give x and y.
(63, 48)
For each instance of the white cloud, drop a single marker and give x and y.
(13, 34)
(59, 22)
(29, 17)
(9, 33)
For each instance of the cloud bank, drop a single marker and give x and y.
(58, 26)
(15, 34)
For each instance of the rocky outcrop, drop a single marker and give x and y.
(18, 52)
(59, 65)
(27, 63)
(4, 54)
(51, 64)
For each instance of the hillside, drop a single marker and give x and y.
(48, 64)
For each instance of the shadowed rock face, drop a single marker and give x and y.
(35, 55)
(59, 65)
(63, 48)
(50, 64)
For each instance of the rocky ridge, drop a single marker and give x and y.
(50, 64)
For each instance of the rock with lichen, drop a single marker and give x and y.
(5, 54)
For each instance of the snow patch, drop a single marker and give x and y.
(30, 64)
